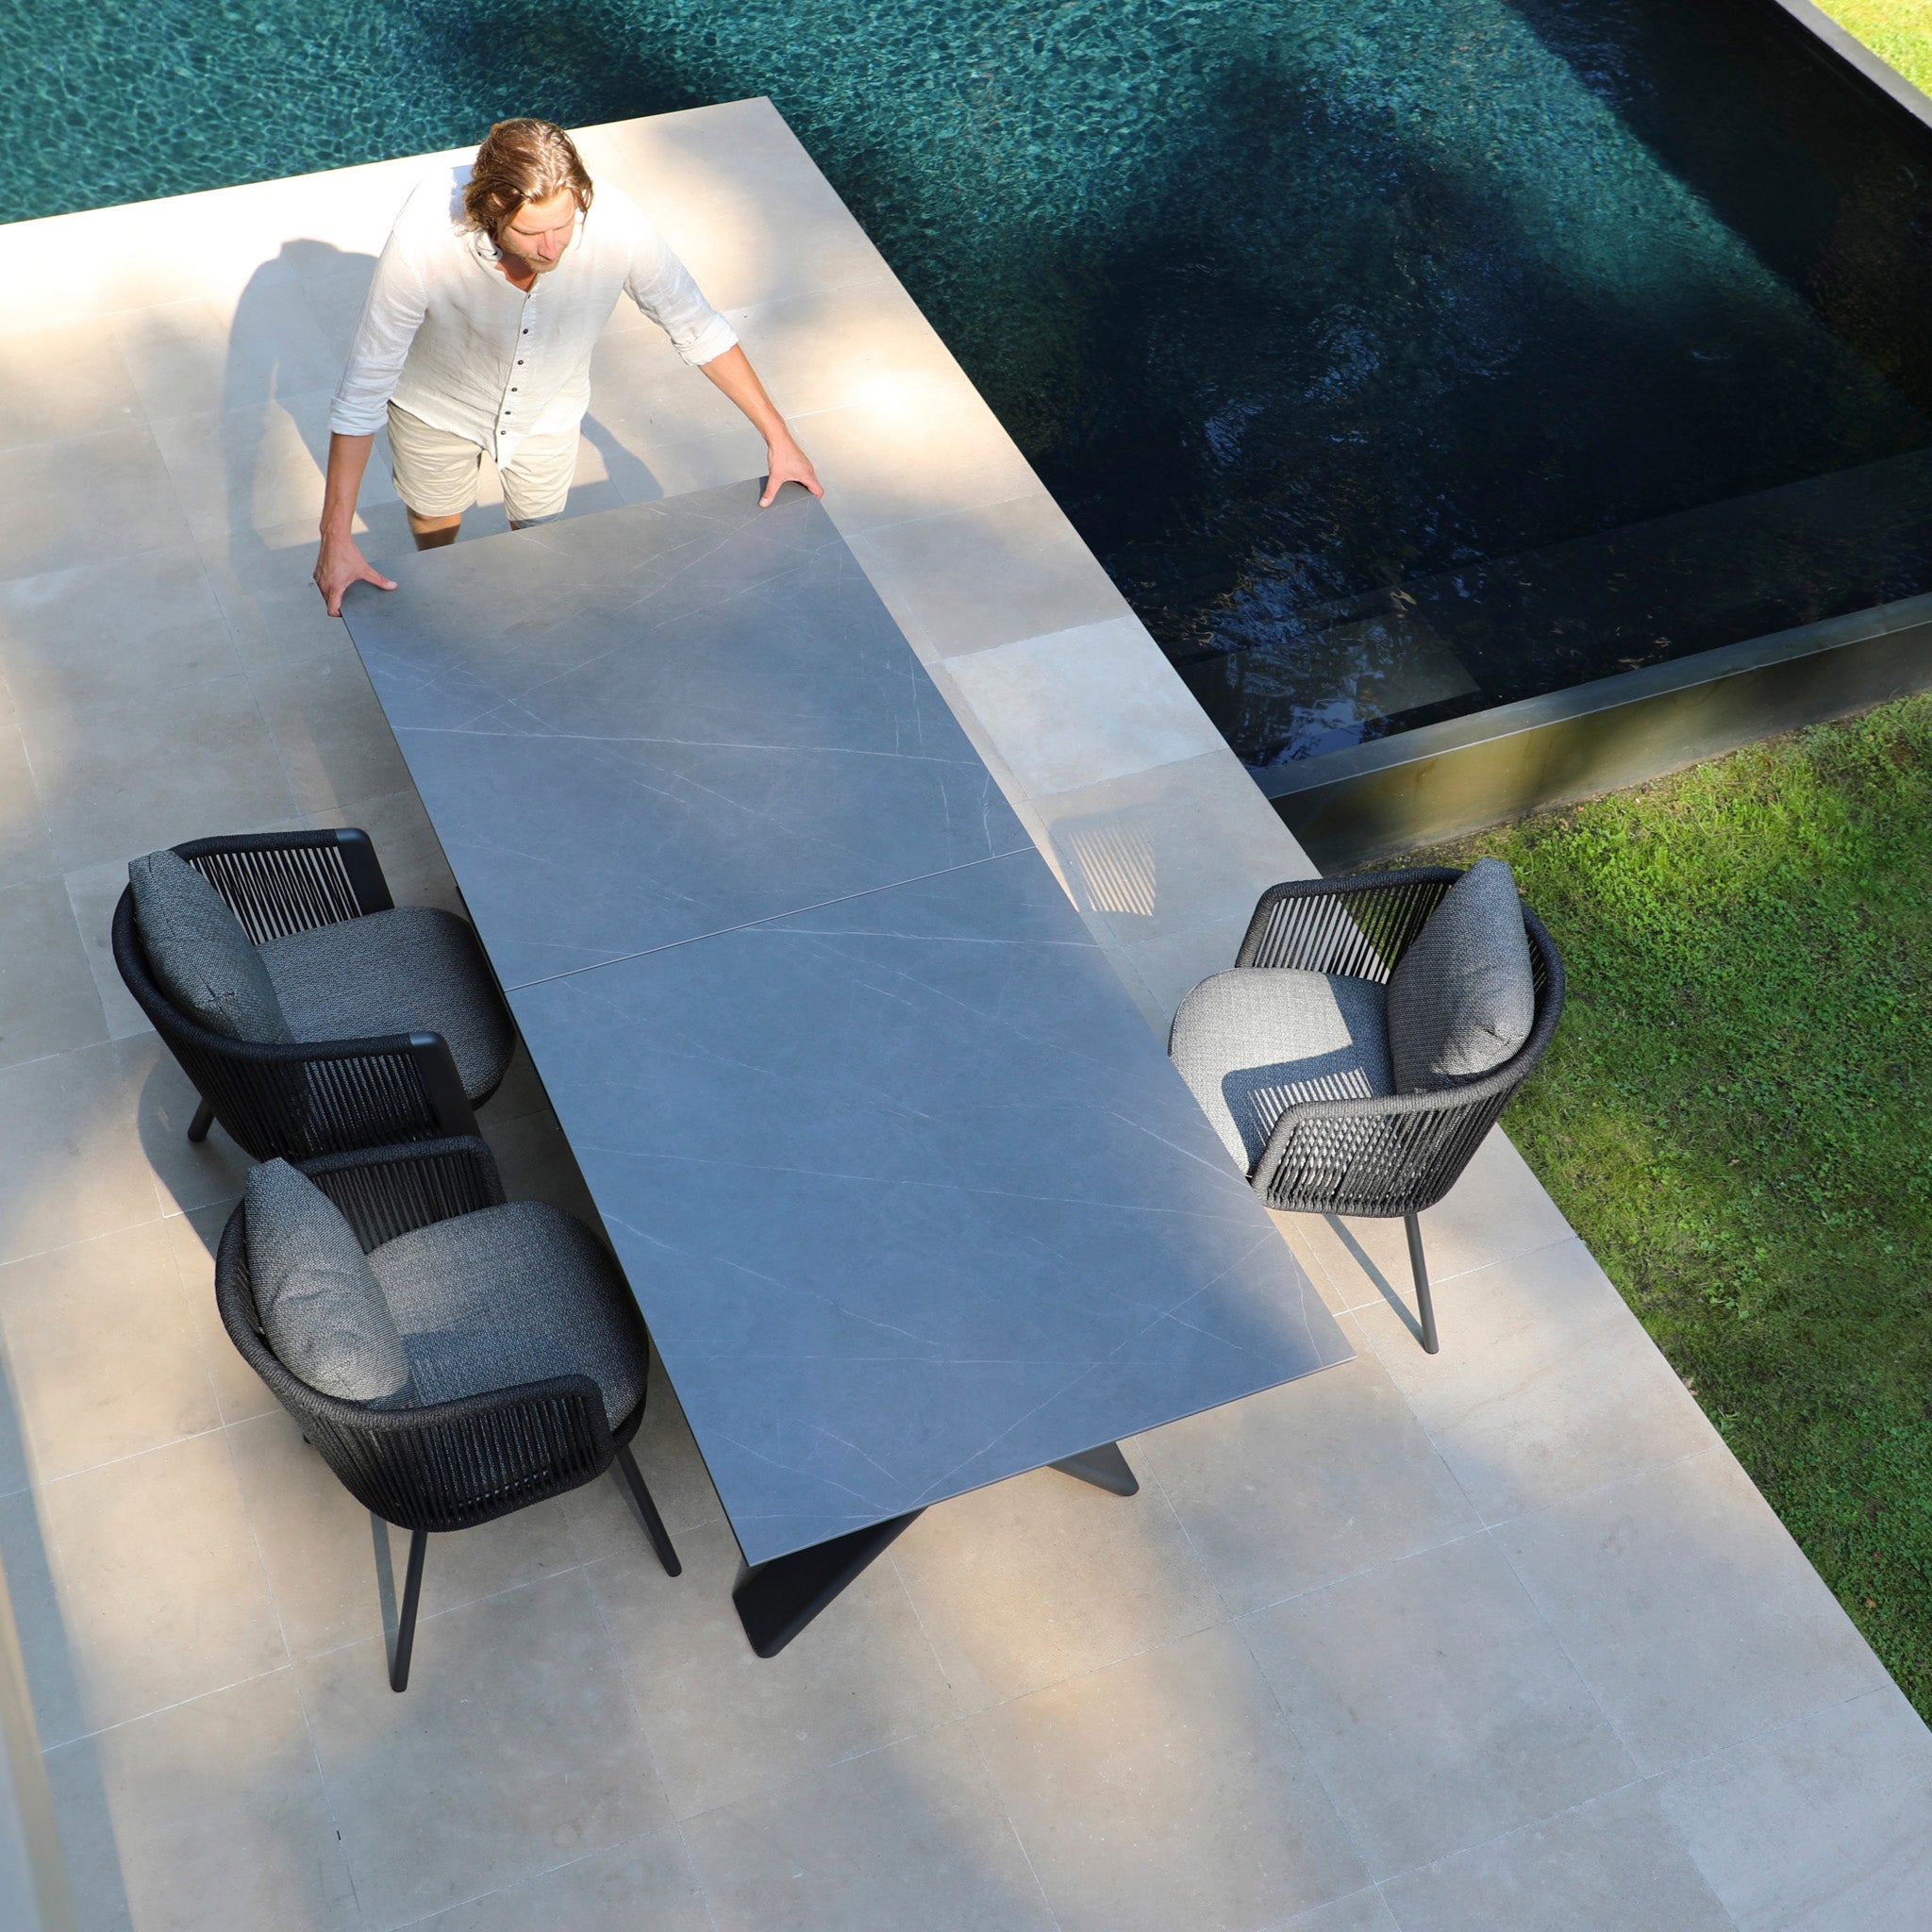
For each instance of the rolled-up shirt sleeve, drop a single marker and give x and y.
(391, 317)
(662, 287)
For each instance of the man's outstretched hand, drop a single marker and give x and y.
(340, 563)
(787, 464)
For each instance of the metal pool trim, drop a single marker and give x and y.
(1441, 780)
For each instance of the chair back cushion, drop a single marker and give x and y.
(1461, 999)
(200, 955)
(321, 1306)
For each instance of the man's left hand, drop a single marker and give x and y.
(788, 463)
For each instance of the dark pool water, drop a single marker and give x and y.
(1398, 356)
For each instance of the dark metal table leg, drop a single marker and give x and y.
(780, 1598)
(1105, 1468)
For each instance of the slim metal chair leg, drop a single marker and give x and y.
(1425, 1307)
(204, 1119)
(654, 1524)
(406, 1622)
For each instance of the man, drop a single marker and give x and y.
(493, 287)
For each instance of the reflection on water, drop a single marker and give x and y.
(1374, 344)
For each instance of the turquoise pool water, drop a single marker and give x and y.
(1398, 356)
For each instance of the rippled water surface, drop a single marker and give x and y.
(1398, 356)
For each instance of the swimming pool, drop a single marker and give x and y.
(1399, 358)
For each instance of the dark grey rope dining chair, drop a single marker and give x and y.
(479, 1355)
(1297, 1054)
(310, 1012)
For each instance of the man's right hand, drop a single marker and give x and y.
(339, 563)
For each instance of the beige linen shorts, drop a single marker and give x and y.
(435, 471)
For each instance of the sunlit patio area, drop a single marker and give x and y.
(1498, 1640)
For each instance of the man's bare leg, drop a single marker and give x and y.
(432, 533)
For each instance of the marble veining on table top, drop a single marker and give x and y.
(908, 1196)
(715, 687)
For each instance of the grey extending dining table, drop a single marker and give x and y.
(909, 1195)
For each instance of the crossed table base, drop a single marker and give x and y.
(777, 1600)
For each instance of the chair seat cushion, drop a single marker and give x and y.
(508, 1295)
(1461, 999)
(1256, 1039)
(199, 953)
(321, 1307)
(414, 969)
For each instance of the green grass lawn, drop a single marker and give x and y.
(1899, 31)
(1736, 1117)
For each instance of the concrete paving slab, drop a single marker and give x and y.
(1614, 1865)
(211, 1814)
(1818, 1825)
(514, 1750)
(1029, 1582)
(910, 1835)
(646, 1881)
(1168, 1791)
(1675, 1593)
(1436, 1703)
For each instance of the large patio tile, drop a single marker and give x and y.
(1030, 1581)
(128, 774)
(977, 578)
(259, 465)
(725, 1723)
(74, 1167)
(605, 1520)
(93, 894)
(1546, 1384)
(1613, 1865)
(910, 1835)
(264, 582)
(1185, 844)
(1819, 1825)
(187, 1175)
(739, 199)
(34, 1598)
(1167, 1794)
(1436, 1703)
(824, 348)
(212, 352)
(127, 628)
(644, 1885)
(1692, 1613)
(193, 1236)
(1080, 707)
(1496, 1211)
(329, 732)
(85, 499)
(161, 1584)
(913, 443)
(47, 998)
(27, 852)
(651, 458)
(336, 298)
(65, 382)
(100, 1355)
(1173, 964)
(320, 1549)
(1300, 1485)
(514, 1749)
(209, 1816)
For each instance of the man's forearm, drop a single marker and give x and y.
(733, 373)
(348, 456)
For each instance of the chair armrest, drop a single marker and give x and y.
(387, 1192)
(1358, 926)
(276, 883)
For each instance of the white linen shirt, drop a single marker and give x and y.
(446, 337)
